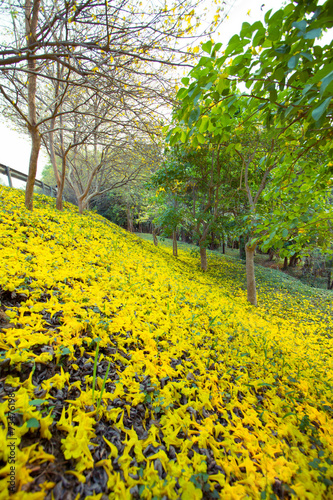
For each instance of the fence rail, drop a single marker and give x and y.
(15, 174)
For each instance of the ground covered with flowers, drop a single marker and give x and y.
(128, 373)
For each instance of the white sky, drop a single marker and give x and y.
(15, 148)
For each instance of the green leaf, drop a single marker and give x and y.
(293, 61)
(285, 233)
(326, 81)
(208, 86)
(289, 414)
(32, 423)
(272, 95)
(183, 137)
(197, 98)
(222, 84)
(274, 34)
(322, 73)
(288, 9)
(259, 38)
(201, 139)
(195, 113)
(318, 112)
(216, 47)
(283, 49)
(207, 47)
(310, 35)
(181, 93)
(185, 80)
(246, 30)
(204, 124)
(193, 89)
(36, 402)
(233, 40)
(268, 13)
(300, 25)
(278, 74)
(307, 56)
(257, 26)
(315, 463)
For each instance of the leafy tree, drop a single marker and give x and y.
(280, 66)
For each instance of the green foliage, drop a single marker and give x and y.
(288, 101)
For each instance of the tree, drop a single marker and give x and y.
(169, 213)
(193, 178)
(280, 80)
(85, 40)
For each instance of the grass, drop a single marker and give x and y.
(199, 394)
(269, 277)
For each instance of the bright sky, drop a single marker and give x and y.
(15, 148)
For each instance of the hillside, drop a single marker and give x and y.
(205, 397)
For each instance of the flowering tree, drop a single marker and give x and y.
(84, 40)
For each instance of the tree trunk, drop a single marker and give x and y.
(174, 243)
(285, 263)
(223, 247)
(250, 277)
(203, 258)
(155, 237)
(61, 185)
(81, 204)
(59, 179)
(293, 260)
(59, 202)
(129, 215)
(31, 14)
(35, 148)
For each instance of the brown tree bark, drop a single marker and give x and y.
(35, 148)
(82, 204)
(271, 254)
(61, 185)
(293, 260)
(203, 258)
(31, 18)
(250, 276)
(174, 243)
(154, 232)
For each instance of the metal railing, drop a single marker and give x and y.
(15, 174)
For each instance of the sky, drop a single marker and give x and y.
(15, 147)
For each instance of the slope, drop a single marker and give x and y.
(205, 397)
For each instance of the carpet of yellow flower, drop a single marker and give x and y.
(207, 397)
